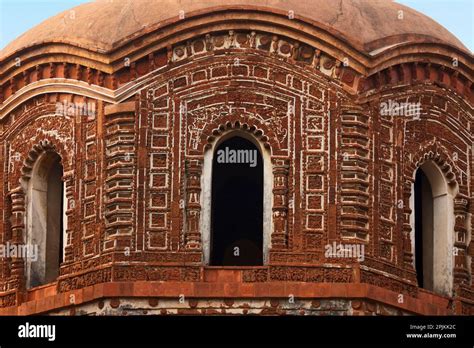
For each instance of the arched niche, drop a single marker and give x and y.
(206, 196)
(432, 228)
(45, 219)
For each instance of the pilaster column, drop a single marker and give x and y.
(68, 180)
(406, 238)
(280, 204)
(193, 206)
(461, 271)
(17, 237)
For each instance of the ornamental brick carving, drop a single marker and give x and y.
(340, 169)
(355, 154)
(17, 264)
(193, 206)
(280, 204)
(120, 156)
(461, 270)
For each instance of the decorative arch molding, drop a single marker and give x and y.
(255, 131)
(36, 151)
(38, 124)
(48, 132)
(33, 155)
(434, 151)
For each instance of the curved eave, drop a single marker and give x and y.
(438, 53)
(199, 23)
(56, 85)
(378, 45)
(224, 11)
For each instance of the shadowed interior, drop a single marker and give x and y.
(237, 208)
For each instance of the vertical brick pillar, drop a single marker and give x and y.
(461, 271)
(5, 237)
(17, 237)
(69, 183)
(280, 204)
(355, 153)
(120, 175)
(406, 238)
(193, 206)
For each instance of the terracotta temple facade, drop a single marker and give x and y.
(360, 117)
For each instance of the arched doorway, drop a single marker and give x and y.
(45, 228)
(237, 204)
(432, 229)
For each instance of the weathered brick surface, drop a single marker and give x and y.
(342, 172)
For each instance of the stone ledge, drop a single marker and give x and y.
(49, 300)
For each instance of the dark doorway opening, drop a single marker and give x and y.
(423, 230)
(237, 204)
(55, 214)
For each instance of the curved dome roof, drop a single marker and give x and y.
(104, 25)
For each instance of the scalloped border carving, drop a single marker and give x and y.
(33, 155)
(237, 125)
(437, 153)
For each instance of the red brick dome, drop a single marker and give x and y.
(104, 25)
